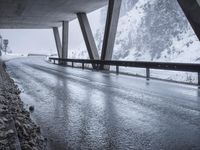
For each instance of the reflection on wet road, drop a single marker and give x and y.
(82, 109)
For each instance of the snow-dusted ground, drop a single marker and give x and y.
(186, 77)
(8, 57)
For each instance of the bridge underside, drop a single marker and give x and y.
(37, 14)
(43, 13)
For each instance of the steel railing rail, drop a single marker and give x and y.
(187, 67)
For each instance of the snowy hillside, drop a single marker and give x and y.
(152, 30)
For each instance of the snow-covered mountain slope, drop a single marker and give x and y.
(152, 30)
(155, 30)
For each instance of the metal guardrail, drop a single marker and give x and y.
(187, 67)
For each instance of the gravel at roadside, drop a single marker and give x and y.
(17, 130)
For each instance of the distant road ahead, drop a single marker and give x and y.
(81, 109)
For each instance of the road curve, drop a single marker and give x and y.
(82, 109)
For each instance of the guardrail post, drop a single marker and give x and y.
(198, 78)
(98, 66)
(54, 61)
(59, 62)
(72, 64)
(147, 73)
(64, 63)
(95, 66)
(82, 65)
(117, 69)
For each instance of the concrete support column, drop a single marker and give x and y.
(88, 36)
(65, 34)
(58, 42)
(110, 30)
(191, 9)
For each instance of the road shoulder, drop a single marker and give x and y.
(17, 130)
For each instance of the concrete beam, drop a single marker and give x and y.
(42, 14)
(65, 34)
(110, 29)
(58, 42)
(191, 8)
(88, 36)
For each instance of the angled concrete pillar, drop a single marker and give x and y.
(88, 36)
(191, 8)
(58, 42)
(110, 29)
(65, 33)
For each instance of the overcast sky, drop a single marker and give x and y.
(42, 40)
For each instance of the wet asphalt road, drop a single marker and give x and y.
(81, 109)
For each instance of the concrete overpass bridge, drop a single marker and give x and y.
(36, 14)
(91, 110)
(53, 14)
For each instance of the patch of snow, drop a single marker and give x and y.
(10, 56)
